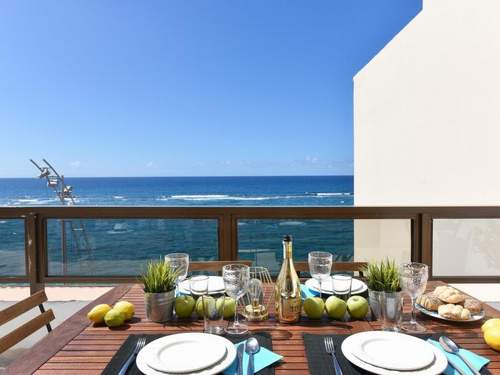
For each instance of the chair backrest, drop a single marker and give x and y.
(337, 267)
(215, 266)
(29, 327)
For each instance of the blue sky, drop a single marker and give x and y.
(186, 88)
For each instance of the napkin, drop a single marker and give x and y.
(261, 360)
(305, 292)
(473, 358)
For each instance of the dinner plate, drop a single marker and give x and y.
(436, 367)
(392, 350)
(147, 356)
(357, 286)
(215, 285)
(434, 314)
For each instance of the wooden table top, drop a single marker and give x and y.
(76, 347)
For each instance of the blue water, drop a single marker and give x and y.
(181, 191)
(122, 247)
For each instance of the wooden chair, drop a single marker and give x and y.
(31, 326)
(337, 267)
(215, 266)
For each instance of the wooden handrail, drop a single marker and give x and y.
(36, 219)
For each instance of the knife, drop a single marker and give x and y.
(239, 353)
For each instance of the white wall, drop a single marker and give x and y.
(427, 124)
(427, 111)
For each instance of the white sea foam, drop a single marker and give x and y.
(225, 197)
(33, 201)
(118, 197)
(292, 223)
(212, 197)
(332, 194)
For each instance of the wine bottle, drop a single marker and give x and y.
(287, 288)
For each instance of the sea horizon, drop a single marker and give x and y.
(192, 176)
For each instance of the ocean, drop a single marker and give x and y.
(122, 247)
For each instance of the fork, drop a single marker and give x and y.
(138, 346)
(330, 349)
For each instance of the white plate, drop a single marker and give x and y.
(357, 286)
(151, 350)
(434, 314)
(170, 353)
(215, 285)
(437, 367)
(392, 350)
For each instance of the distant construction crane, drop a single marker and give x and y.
(81, 242)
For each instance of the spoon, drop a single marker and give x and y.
(251, 347)
(451, 347)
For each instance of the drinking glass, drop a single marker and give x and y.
(213, 314)
(198, 285)
(413, 281)
(320, 266)
(341, 285)
(236, 278)
(180, 264)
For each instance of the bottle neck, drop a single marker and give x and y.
(287, 250)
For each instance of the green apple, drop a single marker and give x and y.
(209, 305)
(357, 307)
(229, 306)
(335, 307)
(184, 306)
(313, 307)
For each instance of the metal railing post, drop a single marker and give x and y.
(33, 252)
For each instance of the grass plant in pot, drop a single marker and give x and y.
(384, 292)
(159, 281)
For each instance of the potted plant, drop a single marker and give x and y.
(384, 291)
(159, 290)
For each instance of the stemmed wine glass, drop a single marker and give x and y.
(320, 266)
(180, 264)
(413, 281)
(236, 278)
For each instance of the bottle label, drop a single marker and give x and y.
(289, 309)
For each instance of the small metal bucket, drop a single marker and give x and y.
(159, 306)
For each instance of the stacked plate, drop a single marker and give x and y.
(215, 285)
(186, 353)
(387, 353)
(357, 286)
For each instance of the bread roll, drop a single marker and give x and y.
(429, 301)
(473, 305)
(448, 294)
(454, 312)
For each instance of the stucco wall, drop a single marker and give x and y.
(427, 110)
(427, 118)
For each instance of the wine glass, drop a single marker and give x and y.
(180, 264)
(413, 281)
(236, 278)
(320, 266)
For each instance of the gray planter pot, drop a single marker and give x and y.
(159, 306)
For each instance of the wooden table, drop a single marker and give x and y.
(76, 347)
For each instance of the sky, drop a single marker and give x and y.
(186, 88)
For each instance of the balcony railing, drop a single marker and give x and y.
(40, 224)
